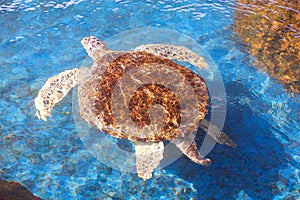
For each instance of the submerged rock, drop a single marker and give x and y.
(15, 191)
(271, 30)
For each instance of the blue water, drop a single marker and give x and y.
(40, 39)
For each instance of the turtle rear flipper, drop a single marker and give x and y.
(188, 146)
(54, 90)
(174, 52)
(216, 134)
(148, 157)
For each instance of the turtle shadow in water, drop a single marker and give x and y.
(252, 167)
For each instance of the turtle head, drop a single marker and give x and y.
(94, 47)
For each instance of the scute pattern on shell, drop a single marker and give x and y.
(150, 94)
(95, 97)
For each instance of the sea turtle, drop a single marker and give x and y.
(118, 94)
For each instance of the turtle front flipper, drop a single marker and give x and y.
(174, 52)
(216, 134)
(148, 157)
(189, 148)
(54, 90)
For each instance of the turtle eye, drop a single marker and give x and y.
(90, 48)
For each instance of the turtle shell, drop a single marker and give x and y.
(142, 97)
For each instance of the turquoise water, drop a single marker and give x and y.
(40, 39)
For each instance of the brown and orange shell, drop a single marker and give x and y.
(110, 101)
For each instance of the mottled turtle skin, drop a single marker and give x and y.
(117, 95)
